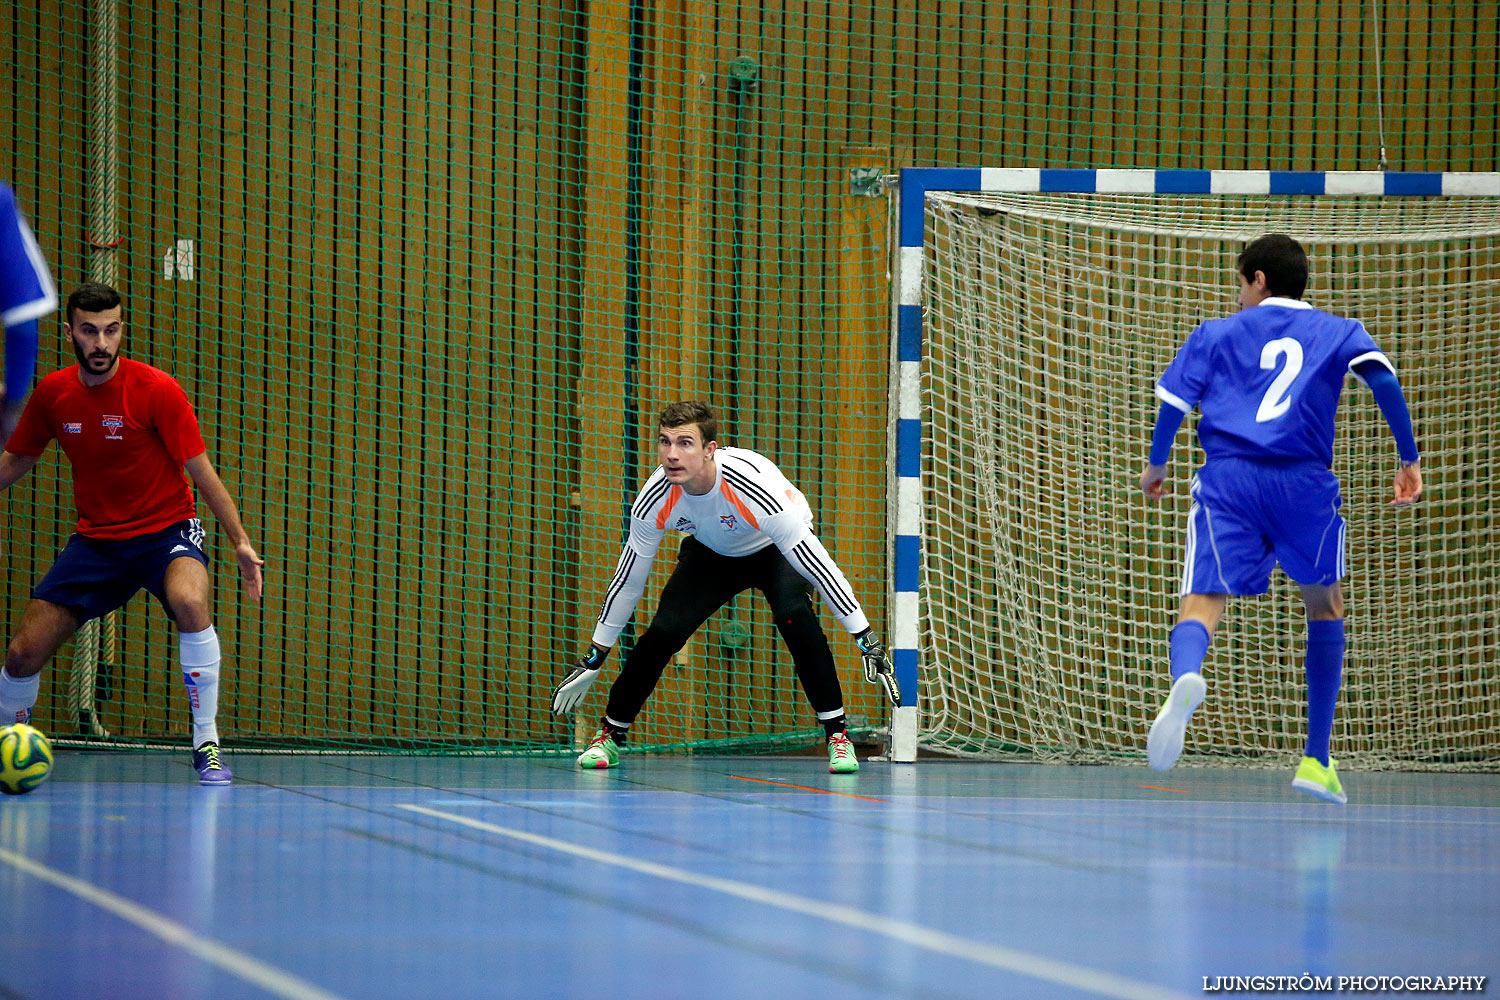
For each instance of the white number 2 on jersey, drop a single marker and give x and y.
(1277, 399)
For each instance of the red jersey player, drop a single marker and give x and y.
(128, 431)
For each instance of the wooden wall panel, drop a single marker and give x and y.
(428, 382)
(461, 557)
(281, 181)
(760, 301)
(329, 551)
(389, 477)
(236, 344)
(359, 572)
(603, 491)
(528, 354)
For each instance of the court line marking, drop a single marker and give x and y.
(1000, 957)
(806, 788)
(1159, 788)
(267, 977)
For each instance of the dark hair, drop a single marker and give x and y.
(1281, 259)
(92, 296)
(691, 411)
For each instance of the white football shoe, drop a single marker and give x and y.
(1164, 744)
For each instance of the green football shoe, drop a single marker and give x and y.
(602, 752)
(841, 759)
(1319, 781)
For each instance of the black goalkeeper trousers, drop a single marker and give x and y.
(703, 582)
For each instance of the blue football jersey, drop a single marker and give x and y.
(1267, 380)
(26, 289)
(26, 295)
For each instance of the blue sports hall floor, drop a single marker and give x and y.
(723, 877)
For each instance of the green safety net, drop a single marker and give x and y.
(429, 271)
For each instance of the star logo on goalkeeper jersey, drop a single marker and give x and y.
(728, 521)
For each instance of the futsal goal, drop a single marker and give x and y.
(1035, 585)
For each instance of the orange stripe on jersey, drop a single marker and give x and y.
(673, 495)
(739, 504)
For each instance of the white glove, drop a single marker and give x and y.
(878, 668)
(574, 686)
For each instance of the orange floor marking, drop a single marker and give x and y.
(805, 788)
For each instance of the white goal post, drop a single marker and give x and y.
(1034, 587)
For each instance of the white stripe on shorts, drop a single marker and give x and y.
(1343, 565)
(1192, 544)
(1338, 556)
(1192, 550)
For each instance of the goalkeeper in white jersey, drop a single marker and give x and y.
(747, 526)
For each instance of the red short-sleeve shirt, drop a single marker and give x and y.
(127, 441)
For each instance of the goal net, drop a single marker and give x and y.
(1048, 583)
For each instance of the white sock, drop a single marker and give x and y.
(200, 675)
(17, 696)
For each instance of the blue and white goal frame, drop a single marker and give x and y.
(914, 185)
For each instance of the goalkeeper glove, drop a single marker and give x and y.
(878, 669)
(574, 686)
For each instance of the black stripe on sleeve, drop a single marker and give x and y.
(653, 491)
(622, 574)
(843, 603)
(741, 458)
(753, 490)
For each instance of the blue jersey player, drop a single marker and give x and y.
(1267, 381)
(26, 295)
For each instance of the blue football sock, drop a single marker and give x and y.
(1325, 670)
(1189, 642)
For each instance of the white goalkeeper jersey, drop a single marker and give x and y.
(751, 505)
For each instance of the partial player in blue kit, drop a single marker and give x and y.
(1267, 382)
(26, 295)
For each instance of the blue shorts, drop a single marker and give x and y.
(94, 576)
(1248, 516)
